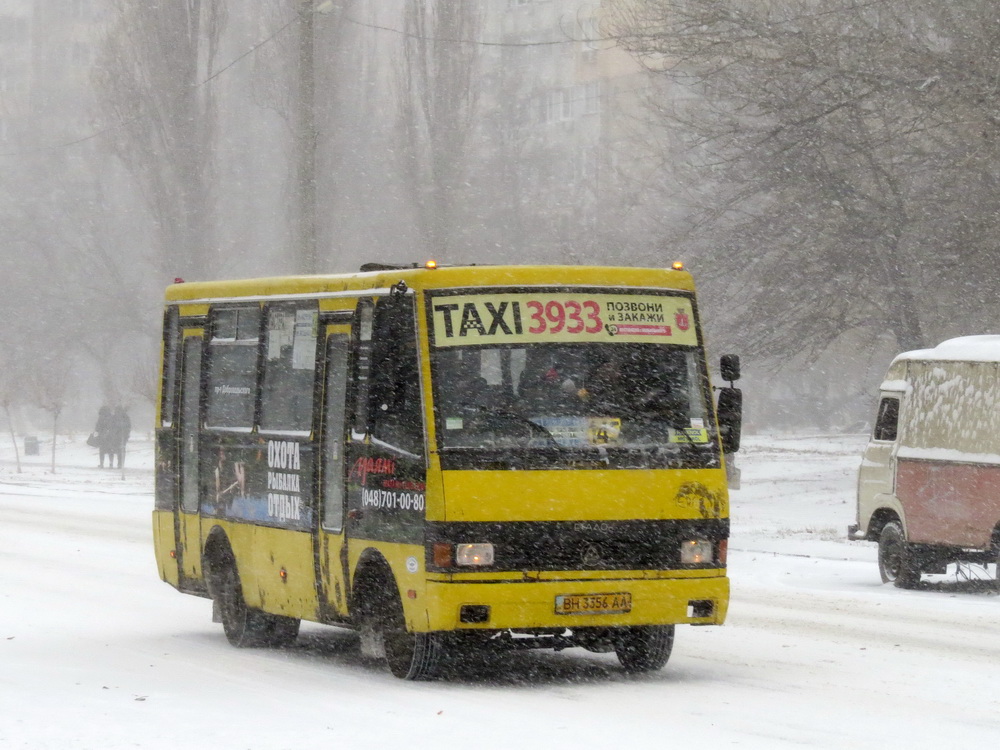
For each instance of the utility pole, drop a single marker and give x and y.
(304, 230)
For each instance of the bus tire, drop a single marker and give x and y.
(284, 631)
(895, 562)
(245, 626)
(409, 656)
(413, 656)
(644, 648)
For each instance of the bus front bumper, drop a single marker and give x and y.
(520, 605)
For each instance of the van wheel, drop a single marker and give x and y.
(245, 626)
(895, 563)
(410, 656)
(996, 557)
(644, 648)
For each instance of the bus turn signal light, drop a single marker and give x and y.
(442, 555)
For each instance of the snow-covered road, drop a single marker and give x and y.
(96, 652)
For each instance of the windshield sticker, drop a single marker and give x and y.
(576, 432)
(689, 435)
(562, 317)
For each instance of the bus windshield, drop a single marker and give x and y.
(626, 404)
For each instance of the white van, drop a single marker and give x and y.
(929, 483)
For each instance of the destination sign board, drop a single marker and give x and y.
(560, 317)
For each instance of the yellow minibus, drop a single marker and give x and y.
(447, 459)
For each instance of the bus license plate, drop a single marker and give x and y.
(594, 604)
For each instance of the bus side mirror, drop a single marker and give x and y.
(729, 367)
(730, 413)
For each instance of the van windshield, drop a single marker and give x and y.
(620, 404)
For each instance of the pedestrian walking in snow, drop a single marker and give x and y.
(121, 428)
(101, 437)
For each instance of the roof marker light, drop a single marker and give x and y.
(431, 264)
(677, 266)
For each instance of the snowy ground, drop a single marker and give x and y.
(96, 652)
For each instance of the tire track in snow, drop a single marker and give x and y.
(869, 624)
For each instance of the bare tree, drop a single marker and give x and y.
(832, 152)
(12, 386)
(154, 83)
(52, 385)
(438, 108)
(144, 377)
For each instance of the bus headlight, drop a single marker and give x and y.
(694, 551)
(474, 554)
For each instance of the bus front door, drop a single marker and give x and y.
(189, 521)
(331, 546)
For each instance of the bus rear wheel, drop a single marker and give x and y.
(644, 648)
(245, 626)
(895, 563)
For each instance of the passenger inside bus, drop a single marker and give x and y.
(603, 385)
(549, 388)
(471, 387)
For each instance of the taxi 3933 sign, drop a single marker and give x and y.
(562, 317)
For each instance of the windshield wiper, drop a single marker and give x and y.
(483, 413)
(515, 417)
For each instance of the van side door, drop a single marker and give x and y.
(877, 475)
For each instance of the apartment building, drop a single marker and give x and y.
(566, 103)
(15, 68)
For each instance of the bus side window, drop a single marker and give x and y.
(394, 409)
(888, 419)
(289, 367)
(232, 368)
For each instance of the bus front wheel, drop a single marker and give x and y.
(644, 648)
(245, 626)
(409, 655)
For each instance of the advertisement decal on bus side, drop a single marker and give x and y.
(264, 483)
